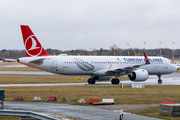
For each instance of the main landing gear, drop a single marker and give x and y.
(91, 81)
(115, 81)
(159, 79)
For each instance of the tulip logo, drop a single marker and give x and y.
(33, 47)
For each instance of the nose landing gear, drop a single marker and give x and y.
(159, 79)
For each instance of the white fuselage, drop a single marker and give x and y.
(97, 65)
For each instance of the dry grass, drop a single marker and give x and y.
(127, 95)
(18, 69)
(9, 63)
(27, 79)
(9, 118)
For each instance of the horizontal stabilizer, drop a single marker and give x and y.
(37, 61)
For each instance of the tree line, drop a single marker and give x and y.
(166, 52)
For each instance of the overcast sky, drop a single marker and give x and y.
(84, 24)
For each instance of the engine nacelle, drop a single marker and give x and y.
(102, 78)
(138, 75)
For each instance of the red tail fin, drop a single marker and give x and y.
(146, 58)
(31, 43)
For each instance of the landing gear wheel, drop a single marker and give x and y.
(112, 81)
(91, 81)
(121, 117)
(115, 81)
(159, 81)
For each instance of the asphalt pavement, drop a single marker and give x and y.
(74, 111)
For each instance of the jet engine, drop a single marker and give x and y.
(102, 78)
(139, 75)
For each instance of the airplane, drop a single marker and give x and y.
(100, 68)
(8, 60)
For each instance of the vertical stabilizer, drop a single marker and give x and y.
(31, 43)
(146, 58)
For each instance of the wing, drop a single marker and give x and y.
(130, 68)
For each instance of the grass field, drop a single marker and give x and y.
(9, 63)
(27, 79)
(18, 69)
(9, 118)
(127, 95)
